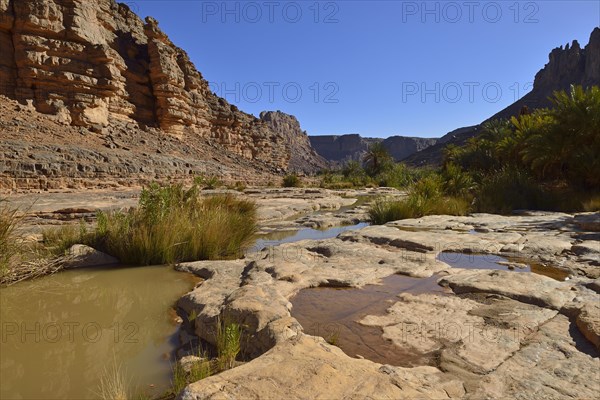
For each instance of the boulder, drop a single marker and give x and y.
(84, 256)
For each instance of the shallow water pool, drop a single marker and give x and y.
(61, 333)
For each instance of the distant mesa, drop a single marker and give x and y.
(342, 148)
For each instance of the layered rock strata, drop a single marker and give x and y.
(91, 63)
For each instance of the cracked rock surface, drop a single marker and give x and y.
(497, 334)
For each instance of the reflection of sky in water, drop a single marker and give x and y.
(474, 261)
(304, 234)
(492, 261)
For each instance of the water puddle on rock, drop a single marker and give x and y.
(61, 333)
(277, 238)
(490, 261)
(333, 314)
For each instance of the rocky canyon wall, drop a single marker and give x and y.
(93, 62)
(303, 157)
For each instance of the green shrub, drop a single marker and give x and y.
(430, 187)
(509, 189)
(352, 169)
(398, 176)
(291, 180)
(229, 335)
(456, 181)
(207, 181)
(377, 159)
(330, 180)
(356, 175)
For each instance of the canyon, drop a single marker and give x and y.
(96, 103)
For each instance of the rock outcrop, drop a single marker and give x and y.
(341, 148)
(95, 63)
(303, 158)
(353, 146)
(40, 153)
(401, 147)
(494, 333)
(571, 65)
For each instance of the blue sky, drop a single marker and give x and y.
(378, 68)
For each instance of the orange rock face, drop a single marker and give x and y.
(91, 63)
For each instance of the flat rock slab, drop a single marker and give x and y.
(588, 322)
(306, 367)
(588, 222)
(549, 365)
(526, 287)
(465, 334)
(500, 334)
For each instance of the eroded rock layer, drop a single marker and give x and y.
(91, 63)
(303, 158)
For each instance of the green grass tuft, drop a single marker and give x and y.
(199, 370)
(58, 241)
(228, 337)
(291, 180)
(510, 189)
(207, 181)
(9, 220)
(416, 206)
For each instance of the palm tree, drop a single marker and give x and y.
(566, 145)
(376, 158)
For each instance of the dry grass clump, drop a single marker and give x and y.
(172, 224)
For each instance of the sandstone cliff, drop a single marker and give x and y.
(95, 63)
(353, 146)
(567, 66)
(303, 158)
(37, 152)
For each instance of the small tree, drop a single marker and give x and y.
(376, 159)
(291, 180)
